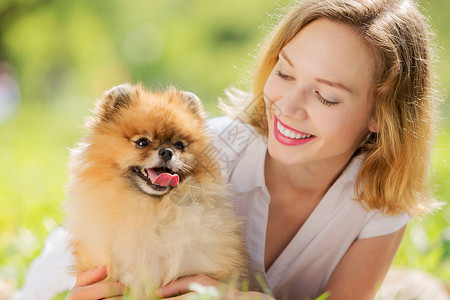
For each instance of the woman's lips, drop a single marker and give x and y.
(289, 136)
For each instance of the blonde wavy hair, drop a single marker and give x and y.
(393, 177)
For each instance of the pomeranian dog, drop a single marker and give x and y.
(145, 199)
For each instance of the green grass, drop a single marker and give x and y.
(34, 157)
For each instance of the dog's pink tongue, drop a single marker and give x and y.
(162, 179)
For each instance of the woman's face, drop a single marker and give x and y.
(318, 96)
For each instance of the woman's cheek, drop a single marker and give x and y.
(336, 125)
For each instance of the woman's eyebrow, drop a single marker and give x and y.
(286, 58)
(335, 84)
(321, 80)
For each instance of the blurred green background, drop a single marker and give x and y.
(57, 57)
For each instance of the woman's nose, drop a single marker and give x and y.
(293, 104)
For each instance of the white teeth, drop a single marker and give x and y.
(287, 132)
(144, 172)
(280, 128)
(291, 134)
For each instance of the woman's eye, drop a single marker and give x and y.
(283, 76)
(323, 100)
(143, 143)
(179, 145)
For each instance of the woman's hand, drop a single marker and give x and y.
(90, 287)
(181, 287)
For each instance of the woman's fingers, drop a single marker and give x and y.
(89, 286)
(91, 276)
(97, 290)
(181, 285)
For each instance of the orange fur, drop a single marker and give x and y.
(149, 240)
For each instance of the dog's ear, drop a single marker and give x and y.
(115, 99)
(194, 103)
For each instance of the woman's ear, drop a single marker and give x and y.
(373, 125)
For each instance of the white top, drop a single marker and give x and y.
(305, 265)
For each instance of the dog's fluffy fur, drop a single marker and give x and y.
(148, 235)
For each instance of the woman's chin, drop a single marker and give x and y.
(283, 154)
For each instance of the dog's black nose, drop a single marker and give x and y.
(165, 153)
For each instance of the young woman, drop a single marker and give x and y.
(328, 158)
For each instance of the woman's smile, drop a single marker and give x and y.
(288, 136)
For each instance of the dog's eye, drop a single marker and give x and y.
(142, 143)
(179, 145)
